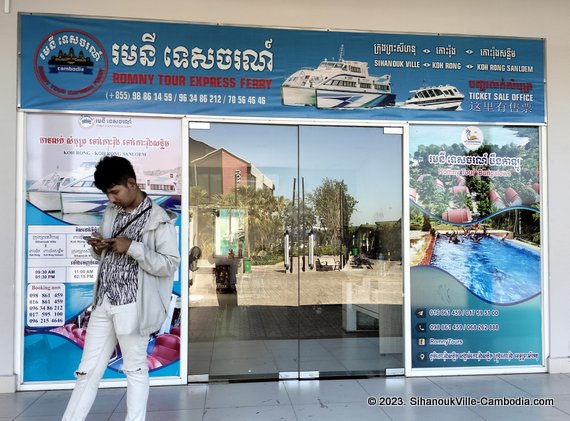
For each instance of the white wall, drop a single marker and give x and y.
(525, 18)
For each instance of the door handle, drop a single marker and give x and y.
(311, 249)
(286, 250)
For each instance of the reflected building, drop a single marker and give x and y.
(218, 171)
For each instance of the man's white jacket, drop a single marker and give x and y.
(158, 258)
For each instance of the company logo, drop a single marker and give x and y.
(86, 121)
(472, 138)
(70, 64)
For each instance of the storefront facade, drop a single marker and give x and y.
(358, 188)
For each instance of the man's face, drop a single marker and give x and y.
(123, 195)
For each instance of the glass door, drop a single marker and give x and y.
(295, 245)
(351, 301)
(243, 300)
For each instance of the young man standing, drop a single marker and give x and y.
(138, 255)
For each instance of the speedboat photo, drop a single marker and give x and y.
(72, 192)
(337, 84)
(442, 97)
(45, 193)
(82, 196)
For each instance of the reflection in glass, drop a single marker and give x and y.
(329, 300)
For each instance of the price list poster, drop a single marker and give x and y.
(63, 206)
(475, 247)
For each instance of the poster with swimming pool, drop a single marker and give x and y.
(62, 207)
(475, 255)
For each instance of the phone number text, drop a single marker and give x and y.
(186, 98)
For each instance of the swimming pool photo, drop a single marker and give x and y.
(501, 272)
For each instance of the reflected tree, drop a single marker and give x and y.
(333, 206)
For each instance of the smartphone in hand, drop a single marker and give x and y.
(95, 237)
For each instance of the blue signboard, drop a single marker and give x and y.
(70, 63)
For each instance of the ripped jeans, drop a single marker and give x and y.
(107, 325)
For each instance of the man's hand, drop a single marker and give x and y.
(97, 242)
(119, 244)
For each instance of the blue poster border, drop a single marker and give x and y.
(468, 310)
(57, 297)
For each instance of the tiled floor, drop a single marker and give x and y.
(226, 359)
(315, 400)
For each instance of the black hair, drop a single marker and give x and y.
(111, 171)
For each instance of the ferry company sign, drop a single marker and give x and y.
(71, 63)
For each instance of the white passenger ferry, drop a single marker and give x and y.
(45, 193)
(338, 84)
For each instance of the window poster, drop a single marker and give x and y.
(476, 290)
(73, 63)
(62, 206)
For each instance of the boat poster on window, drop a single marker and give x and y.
(62, 207)
(475, 253)
(71, 63)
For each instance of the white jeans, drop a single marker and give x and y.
(107, 325)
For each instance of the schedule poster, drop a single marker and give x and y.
(72, 63)
(62, 206)
(476, 284)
